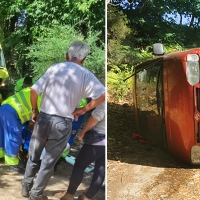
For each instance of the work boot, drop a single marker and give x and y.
(25, 190)
(17, 168)
(83, 197)
(67, 196)
(44, 197)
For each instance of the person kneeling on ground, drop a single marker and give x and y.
(14, 112)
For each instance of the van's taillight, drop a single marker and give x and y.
(192, 69)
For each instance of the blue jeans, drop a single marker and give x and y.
(52, 133)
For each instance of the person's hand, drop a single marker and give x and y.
(77, 113)
(31, 125)
(34, 116)
(80, 136)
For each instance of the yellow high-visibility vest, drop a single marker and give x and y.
(82, 103)
(21, 102)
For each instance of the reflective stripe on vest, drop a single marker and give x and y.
(2, 153)
(21, 102)
(11, 160)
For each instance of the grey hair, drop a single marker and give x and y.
(78, 50)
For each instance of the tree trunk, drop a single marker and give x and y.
(13, 23)
(181, 19)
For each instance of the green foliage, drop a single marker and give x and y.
(115, 81)
(44, 12)
(165, 21)
(16, 52)
(52, 48)
(134, 26)
(123, 55)
(117, 25)
(22, 22)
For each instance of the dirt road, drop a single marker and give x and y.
(141, 171)
(10, 182)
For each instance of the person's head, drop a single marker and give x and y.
(77, 51)
(27, 81)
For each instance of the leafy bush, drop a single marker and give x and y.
(118, 72)
(116, 83)
(52, 46)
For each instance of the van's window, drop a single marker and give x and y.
(149, 97)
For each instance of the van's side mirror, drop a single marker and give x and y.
(158, 49)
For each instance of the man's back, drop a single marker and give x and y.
(64, 85)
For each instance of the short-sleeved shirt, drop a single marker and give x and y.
(64, 85)
(99, 114)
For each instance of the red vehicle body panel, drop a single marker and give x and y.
(180, 107)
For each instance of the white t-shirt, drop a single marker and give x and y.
(64, 85)
(99, 114)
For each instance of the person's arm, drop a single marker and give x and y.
(90, 124)
(34, 97)
(92, 104)
(1, 99)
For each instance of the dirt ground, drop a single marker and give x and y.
(10, 182)
(137, 171)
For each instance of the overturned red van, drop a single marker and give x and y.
(166, 96)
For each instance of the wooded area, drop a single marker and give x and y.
(35, 34)
(135, 25)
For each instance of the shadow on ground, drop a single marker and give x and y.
(10, 182)
(121, 147)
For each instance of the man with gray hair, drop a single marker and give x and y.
(63, 86)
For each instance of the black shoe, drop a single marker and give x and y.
(44, 197)
(103, 187)
(16, 168)
(1, 160)
(25, 190)
(82, 197)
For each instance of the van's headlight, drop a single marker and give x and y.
(192, 69)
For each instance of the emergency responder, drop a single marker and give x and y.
(22, 83)
(27, 81)
(14, 112)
